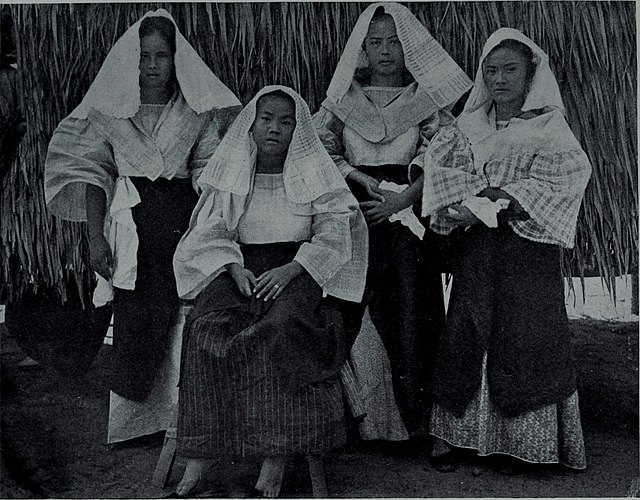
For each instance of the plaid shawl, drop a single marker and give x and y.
(538, 161)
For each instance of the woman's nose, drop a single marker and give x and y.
(274, 128)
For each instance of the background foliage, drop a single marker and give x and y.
(60, 47)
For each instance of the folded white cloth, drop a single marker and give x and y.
(120, 231)
(406, 216)
(485, 209)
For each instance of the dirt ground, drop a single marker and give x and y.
(54, 429)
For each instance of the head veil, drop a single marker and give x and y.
(309, 171)
(432, 67)
(544, 91)
(116, 90)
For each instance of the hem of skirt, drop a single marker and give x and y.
(248, 451)
(467, 447)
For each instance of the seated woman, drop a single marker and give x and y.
(125, 161)
(512, 174)
(391, 91)
(275, 241)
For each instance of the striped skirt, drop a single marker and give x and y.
(242, 390)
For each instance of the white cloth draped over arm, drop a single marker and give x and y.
(329, 128)
(208, 245)
(78, 155)
(336, 256)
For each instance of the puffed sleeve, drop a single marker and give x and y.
(207, 246)
(329, 128)
(78, 155)
(336, 256)
(216, 126)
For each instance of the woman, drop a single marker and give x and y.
(391, 91)
(124, 161)
(512, 174)
(275, 230)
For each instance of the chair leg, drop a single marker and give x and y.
(166, 460)
(318, 478)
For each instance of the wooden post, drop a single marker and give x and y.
(634, 290)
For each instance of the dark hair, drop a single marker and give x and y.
(522, 49)
(363, 75)
(277, 93)
(379, 14)
(162, 26)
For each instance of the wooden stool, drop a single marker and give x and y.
(166, 459)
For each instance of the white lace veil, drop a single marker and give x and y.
(308, 171)
(544, 91)
(116, 90)
(431, 66)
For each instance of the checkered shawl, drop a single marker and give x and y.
(537, 161)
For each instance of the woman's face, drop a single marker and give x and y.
(274, 125)
(156, 62)
(383, 47)
(505, 74)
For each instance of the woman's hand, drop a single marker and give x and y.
(369, 184)
(100, 256)
(271, 283)
(243, 278)
(458, 215)
(376, 212)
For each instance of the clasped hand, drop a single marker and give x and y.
(458, 215)
(383, 203)
(269, 284)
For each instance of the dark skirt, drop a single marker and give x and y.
(143, 317)
(507, 300)
(406, 304)
(261, 378)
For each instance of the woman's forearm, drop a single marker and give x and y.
(96, 201)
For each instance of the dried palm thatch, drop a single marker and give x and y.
(592, 48)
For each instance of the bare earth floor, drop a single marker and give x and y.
(54, 427)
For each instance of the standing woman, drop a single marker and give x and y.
(275, 239)
(391, 91)
(124, 161)
(504, 380)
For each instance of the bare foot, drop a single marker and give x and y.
(270, 480)
(193, 474)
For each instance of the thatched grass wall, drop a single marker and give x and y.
(592, 47)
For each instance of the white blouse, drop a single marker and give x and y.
(268, 218)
